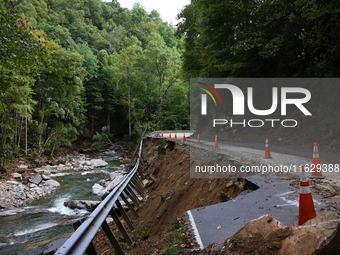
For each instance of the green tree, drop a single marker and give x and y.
(60, 110)
(162, 63)
(22, 56)
(126, 68)
(97, 73)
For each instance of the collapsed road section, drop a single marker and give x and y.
(219, 208)
(275, 196)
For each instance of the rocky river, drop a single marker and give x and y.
(39, 207)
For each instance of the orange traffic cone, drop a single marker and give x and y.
(170, 135)
(184, 137)
(316, 166)
(216, 145)
(162, 134)
(306, 205)
(175, 136)
(267, 150)
(198, 138)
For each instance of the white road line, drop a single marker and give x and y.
(196, 233)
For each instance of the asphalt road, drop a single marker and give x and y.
(294, 157)
(216, 223)
(275, 195)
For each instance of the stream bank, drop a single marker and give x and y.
(36, 214)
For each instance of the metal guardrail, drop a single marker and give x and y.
(86, 229)
(173, 131)
(158, 133)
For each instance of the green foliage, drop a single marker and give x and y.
(59, 35)
(138, 14)
(21, 58)
(60, 108)
(178, 239)
(260, 39)
(72, 67)
(100, 138)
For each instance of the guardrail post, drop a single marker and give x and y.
(138, 180)
(121, 227)
(112, 238)
(132, 193)
(132, 196)
(129, 205)
(142, 161)
(140, 170)
(126, 218)
(137, 188)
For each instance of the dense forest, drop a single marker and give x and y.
(270, 38)
(87, 69)
(77, 69)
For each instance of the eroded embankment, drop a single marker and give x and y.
(170, 191)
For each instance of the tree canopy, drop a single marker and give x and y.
(270, 38)
(70, 68)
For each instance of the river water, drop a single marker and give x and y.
(47, 219)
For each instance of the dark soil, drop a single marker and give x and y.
(172, 192)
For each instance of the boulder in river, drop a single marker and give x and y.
(98, 190)
(52, 183)
(13, 182)
(114, 183)
(4, 205)
(113, 175)
(81, 204)
(45, 177)
(98, 163)
(103, 172)
(16, 176)
(109, 153)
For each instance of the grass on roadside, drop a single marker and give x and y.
(173, 240)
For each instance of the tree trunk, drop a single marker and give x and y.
(4, 148)
(108, 115)
(92, 128)
(160, 102)
(26, 135)
(128, 82)
(55, 138)
(16, 129)
(19, 135)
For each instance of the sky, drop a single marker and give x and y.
(167, 9)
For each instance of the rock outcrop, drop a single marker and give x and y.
(36, 183)
(17, 194)
(81, 204)
(266, 235)
(98, 190)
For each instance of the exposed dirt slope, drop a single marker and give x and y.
(171, 191)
